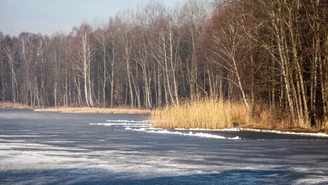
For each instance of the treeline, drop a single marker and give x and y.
(142, 58)
(261, 52)
(273, 53)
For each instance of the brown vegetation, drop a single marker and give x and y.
(216, 114)
(13, 105)
(117, 110)
(94, 110)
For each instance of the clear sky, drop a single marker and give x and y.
(50, 16)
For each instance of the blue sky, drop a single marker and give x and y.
(50, 16)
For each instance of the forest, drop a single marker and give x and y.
(263, 53)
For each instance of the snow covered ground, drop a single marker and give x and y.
(54, 148)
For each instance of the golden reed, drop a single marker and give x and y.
(216, 114)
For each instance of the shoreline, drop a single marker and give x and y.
(319, 134)
(93, 110)
(80, 110)
(130, 111)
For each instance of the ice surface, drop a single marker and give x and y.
(66, 149)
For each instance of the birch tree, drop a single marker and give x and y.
(82, 59)
(10, 54)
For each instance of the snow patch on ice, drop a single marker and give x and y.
(288, 133)
(124, 123)
(127, 121)
(202, 129)
(195, 134)
(145, 126)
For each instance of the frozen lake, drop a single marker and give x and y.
(57, 148)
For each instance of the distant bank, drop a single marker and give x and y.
(96, 110)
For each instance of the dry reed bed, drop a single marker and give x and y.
(210, 114)
(11, 105)
(94, 110)
(119, 110)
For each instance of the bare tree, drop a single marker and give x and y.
(9, 51)
(82, 59)
(194, 15)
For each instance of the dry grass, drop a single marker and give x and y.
(14, 105)
(212, 114)
(118, 110)
(208, 114)
(94, 110)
